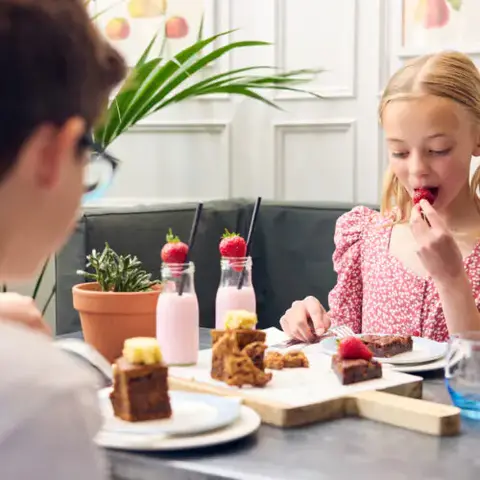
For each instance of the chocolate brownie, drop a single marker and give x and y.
(140, 392)
(251, 342)
(355, 370)
(385, 346)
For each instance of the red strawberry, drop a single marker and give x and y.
(423, 194)
(353, 348)
(174, 251)
(233, 245)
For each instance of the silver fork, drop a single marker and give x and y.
(340, 331)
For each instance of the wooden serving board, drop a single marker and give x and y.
(301, 396)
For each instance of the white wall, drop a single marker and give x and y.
(329, 149)
(314, 150)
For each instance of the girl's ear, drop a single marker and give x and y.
(476, 150)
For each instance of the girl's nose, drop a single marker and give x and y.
(418, 165)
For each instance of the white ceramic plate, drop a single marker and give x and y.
(438, 364)
(247, 423)
(424, 350)
(192, 413)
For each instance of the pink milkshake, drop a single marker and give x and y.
(229, 296)
(178, 316)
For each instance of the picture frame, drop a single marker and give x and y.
(130, 25)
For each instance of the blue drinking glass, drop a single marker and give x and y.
(462, 373)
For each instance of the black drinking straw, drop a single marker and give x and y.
(253, 222)
(191, 241)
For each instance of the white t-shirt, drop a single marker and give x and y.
(48, 411)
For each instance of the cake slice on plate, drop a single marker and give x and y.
(354, 362)
(385, 346)
(140, 382)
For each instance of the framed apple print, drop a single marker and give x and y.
(130, 25)
(441, 24)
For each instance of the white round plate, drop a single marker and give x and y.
(192, 413)
(247, 423)
(424, 350)
(438, 364)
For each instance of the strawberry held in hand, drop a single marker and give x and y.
(352, 348)
(428, 194)
(174, 251)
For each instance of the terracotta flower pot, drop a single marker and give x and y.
(109, 318)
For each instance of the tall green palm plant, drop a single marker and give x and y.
(154, 84)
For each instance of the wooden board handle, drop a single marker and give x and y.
(414, 414)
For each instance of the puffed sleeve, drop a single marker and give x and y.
(345, 299)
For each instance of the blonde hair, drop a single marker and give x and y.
(450, 75)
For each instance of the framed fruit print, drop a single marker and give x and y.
(441, 24)
(130, 25)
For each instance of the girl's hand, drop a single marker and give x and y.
(437, 248)
(305, 320)
(21, 309)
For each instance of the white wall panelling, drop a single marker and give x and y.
(316, 161)
(342, 36)
(305, 36)
(184, 160)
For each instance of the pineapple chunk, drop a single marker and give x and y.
(240, 319)
(142, 350)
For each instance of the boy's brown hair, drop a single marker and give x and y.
(53, 65)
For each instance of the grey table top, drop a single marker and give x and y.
(350, 449)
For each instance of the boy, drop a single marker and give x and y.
(56, 76)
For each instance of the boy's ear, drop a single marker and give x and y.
(55, 145)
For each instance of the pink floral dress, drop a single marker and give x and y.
(375, 292)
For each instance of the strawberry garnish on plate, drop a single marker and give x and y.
(423, 194)
(233, 246)
(174, 251)
(352, 348)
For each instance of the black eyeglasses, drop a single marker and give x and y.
(100, 169)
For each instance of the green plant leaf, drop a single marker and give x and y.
(183, 73)
(117, 273)
(455, 4)
(153, 85)
(49, 299)
(148, 85)
(38, 283)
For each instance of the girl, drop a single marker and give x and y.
(413, 269)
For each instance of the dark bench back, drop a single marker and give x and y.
(292, 250)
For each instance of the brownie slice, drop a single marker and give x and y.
(140, 392)
(251, 342)
(356, 370)
(385, 346)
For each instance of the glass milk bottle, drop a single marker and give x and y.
(229, 296)
(178, 315)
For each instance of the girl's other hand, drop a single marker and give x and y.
(437, 248)
(305, 319)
